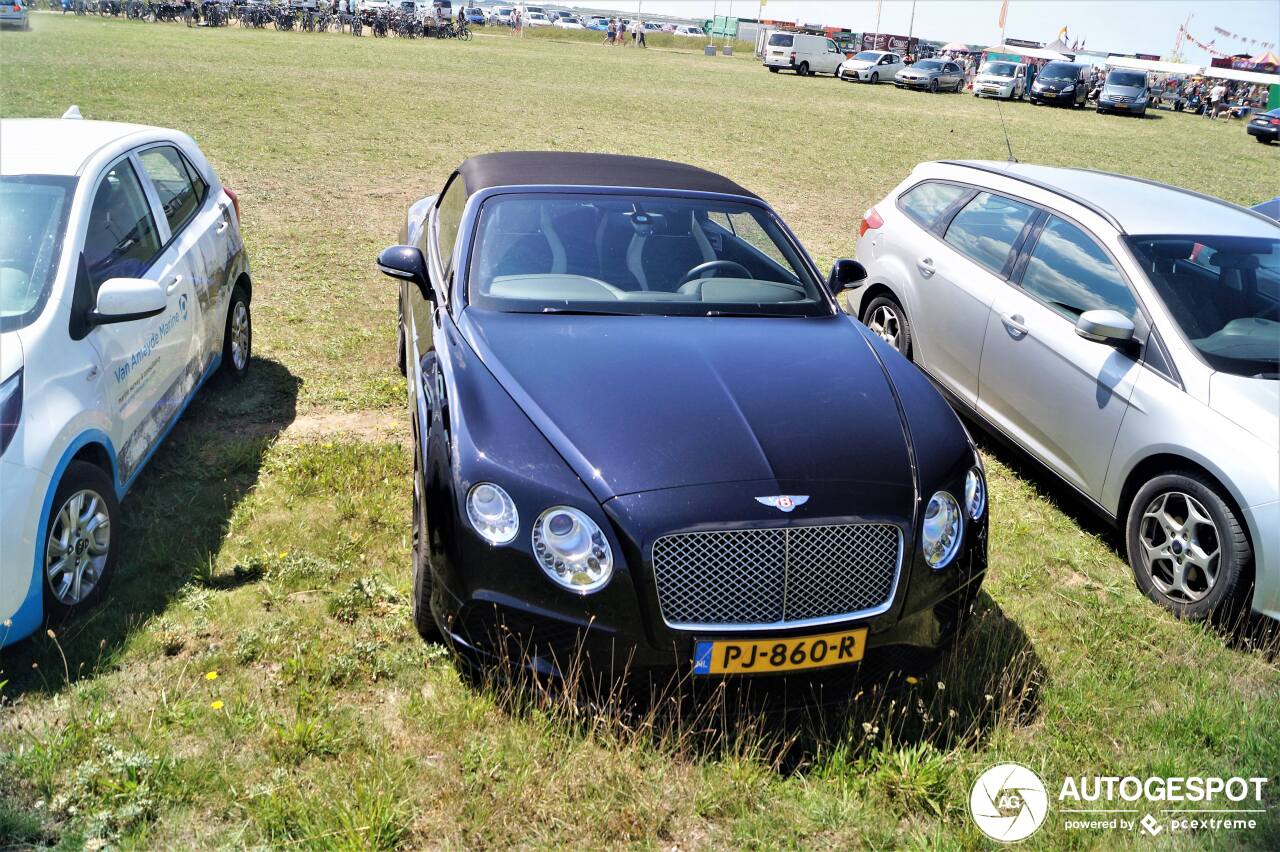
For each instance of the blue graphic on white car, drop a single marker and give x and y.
(121, 270)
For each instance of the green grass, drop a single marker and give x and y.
(278, 558)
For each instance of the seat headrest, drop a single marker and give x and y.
(1222, 260)
(1172, 249)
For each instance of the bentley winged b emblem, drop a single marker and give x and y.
(784, 502)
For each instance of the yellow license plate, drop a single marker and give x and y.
(762, 656)
(1050, 94)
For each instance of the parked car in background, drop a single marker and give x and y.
(703, 537)
(934, 75)
(1265, 127)
(1124, 333)
(1124, 91)
(807, 55)
(124, 284)
(597, 23)
(501, 16)
(568, 22)
(871, 66)
(1061, 83)
(999, 78)
(537, 19)
(14, 14)
(690, 31)
(475, 16)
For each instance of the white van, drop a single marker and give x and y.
(802, 53)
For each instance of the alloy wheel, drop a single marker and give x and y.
(1180, 546)
(887, 325)
(79, 543)
(240, 335)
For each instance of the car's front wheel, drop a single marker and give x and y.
(237, 340)
(875, 78)
(888, 321)
(81, 541)
(1186, 546)
(933, 86)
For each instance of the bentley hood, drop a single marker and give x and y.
(643, 403)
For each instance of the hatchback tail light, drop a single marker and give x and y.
(870, 221)
(1275, 121)
(235, 201)
(793, 57)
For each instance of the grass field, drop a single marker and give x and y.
(254, 678)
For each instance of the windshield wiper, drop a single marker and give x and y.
(746, 314)
(583, 312)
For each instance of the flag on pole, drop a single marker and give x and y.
(1004, 10)
(1062, 34)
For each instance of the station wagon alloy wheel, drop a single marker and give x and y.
(79, 544)
(240, 335)
(886, 323)
(1180, 546)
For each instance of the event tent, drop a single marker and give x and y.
(1154, 66)
(1029, 52)
(1242, 76)
(955, 47)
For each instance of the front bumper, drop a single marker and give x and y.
(921, 83)
(1128, 107)
(1048, 97)
(22, 495)
(992, 90)
(495, 607)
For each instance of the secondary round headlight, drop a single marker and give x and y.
(941, 535)
(975, 494)
(572, 549)
(492, 513)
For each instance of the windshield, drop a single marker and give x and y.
(1060, 71)
(1135, 79)
(781, 40)
(1224, 293)
(868, 56)
(33, 218)
(928, 65)
(1000, 69)
(637, 254)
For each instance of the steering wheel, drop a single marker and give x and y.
(699, 270)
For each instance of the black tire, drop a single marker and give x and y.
(803, 69)
(773, 69)
(933, 86)
(875, 78)
(1143, 533)
(1264, 140)
(423, 620)
(902, 337)
(233, 366)
(81, 477)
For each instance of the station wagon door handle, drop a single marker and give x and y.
(173, 284)
(1015, 323)
(925, 265)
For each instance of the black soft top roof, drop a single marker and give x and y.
(554, 168)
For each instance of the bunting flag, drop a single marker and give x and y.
(1062, 34)
(1243, 39)
(1004, 11)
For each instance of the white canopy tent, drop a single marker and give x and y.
(1154, 66)
(1242, 76)
(1030, 52)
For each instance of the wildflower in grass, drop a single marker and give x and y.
(912, 680)
(210, 675)
(216, 705)
(941, 686)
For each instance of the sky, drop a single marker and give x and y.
(1120, 26)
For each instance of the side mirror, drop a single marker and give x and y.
(845, 275)
(1110, 327)
(127, 299)
(407, 264)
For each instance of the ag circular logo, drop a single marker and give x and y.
(1008, 802)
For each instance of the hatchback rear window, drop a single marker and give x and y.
(926, 202)
(781, 40)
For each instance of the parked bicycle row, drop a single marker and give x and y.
(380, 22)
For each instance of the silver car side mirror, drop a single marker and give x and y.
(1110, 327)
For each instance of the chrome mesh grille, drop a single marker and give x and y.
(775, 576)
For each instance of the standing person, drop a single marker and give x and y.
(1216, 94)
(640, 33)
(635, 32)
(613, 31)
(517, 21)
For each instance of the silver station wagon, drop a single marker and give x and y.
(1123, 332)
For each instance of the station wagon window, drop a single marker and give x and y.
(926, 202)
(1072, 274)
(121, 240)
(987, 227)
(449, 220)
(179, 196)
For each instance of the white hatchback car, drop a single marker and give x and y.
(871, 66)
(124, 284)
(1123, 332)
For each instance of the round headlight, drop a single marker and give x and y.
(572, 549)
(975, 494)
(492, 513)
(941, 535)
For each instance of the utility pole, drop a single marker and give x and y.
(875, 42)
(911, 28)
